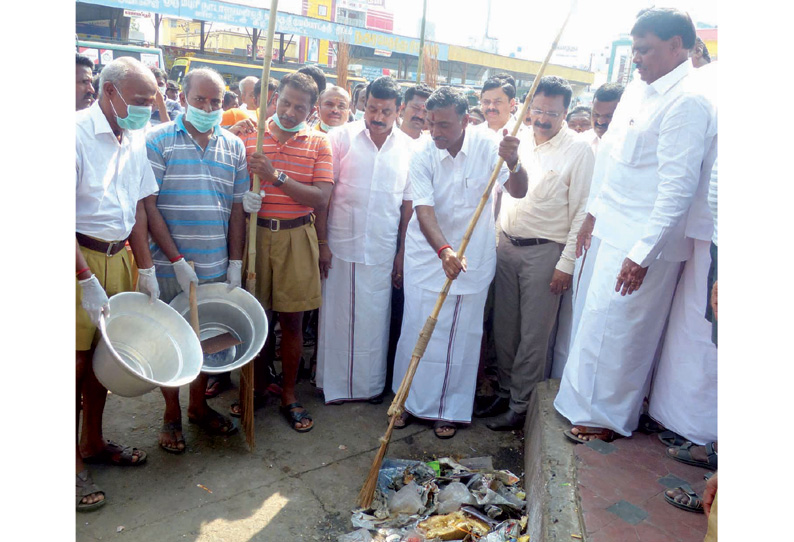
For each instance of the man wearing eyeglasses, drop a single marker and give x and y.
(536, 250)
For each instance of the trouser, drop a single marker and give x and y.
(524, 314)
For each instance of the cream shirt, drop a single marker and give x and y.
(453, 186)
(369, 188)
(111, 176)
(559, 172)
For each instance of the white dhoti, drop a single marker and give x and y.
(445, 381)
(611, 357)
(684, 390)
(571, 308)
(354, 331)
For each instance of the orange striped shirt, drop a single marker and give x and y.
(305, 158)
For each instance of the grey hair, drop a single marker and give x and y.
(253, 80)
(120, 69)
(202, 72)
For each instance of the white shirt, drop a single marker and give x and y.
(369, 188)
(652, 157)
(592, 139)
(559, 172)
(111, 176)
(712, 197)
(453, 187)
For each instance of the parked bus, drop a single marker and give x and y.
(103, 54)
(233, 72)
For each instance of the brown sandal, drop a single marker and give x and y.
(598, 433)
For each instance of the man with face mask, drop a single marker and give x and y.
(448, 176)
(536, 253)
(197, 216)
(113, 177)
(295, 169)
(359, 236)
(172, 106)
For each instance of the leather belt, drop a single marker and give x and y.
(527, 242)
(277, 224)
(96, 245)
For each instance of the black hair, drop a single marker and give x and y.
(158, 72)
(317, 74)
(228, 97)
(272, 85)
(83, 60)
(608, 92)
(577, 110)
(506, 77)
(300, 81)
(500, 82)
(664, 23)
(421, 90)
(476, 111)
(385, 88)
(172, 85)
(551, 85)
(699, 44)
(448, 97)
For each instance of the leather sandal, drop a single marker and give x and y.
(84, 487)
(598, 433)
(684, 455)
(295, 417)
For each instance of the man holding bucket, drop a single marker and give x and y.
(197, 216)
(113, 177)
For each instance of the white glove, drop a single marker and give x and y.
(147, 283)
(94, 299)
(234, 274)
(184, 274)
(252, 201)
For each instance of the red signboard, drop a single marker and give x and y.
(380, 20)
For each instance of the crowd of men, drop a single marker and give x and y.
(592, 262)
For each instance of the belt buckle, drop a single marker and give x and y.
(278, 224)
(111, 246)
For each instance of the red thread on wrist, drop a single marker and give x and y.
(174, 260)
(443, 248)
(83, 271)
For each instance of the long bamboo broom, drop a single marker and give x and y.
(247, 373)
(367, 492)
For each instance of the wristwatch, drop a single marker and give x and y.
(281, 178)
(517, 167)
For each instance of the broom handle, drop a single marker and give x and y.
(260, 131)
(424, 337)
(194, 316)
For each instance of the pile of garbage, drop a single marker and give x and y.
(467, 501)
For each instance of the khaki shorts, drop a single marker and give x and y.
(287, 269)
(115, 276)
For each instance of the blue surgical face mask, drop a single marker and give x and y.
(137, 115)
(297, 128)
(359, 115)
(201, 120)
(327, 129)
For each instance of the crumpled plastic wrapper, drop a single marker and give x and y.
(361, 535)
(453, 496)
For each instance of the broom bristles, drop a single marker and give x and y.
(367, 493)
(247, 404)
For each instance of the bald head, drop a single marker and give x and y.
(334, 106)
(123, 83)
(194, 76)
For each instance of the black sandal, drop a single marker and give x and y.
(294, 417)
(693, 503)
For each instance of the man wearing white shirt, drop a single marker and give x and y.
(113, 177)
(413, 112)
(536, 253)
(358, 236)
(448, 178)
(497, 99)
(661, 131)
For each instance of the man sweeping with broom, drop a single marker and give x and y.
(448, 177)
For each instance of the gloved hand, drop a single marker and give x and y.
(234, 274)
(184, 274)
(252, 201)
(94, 299)
(147, 283)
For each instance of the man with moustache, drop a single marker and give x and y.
(605, 102)
(535, 255)
(497, 99)
(84, 89)
(413, 112)
(660, 136)
(359, 235)
(448, 176)
(333, 110)
(295, 169)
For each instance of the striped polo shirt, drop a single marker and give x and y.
(305, 157)
(197, 189)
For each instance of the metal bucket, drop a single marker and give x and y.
(145, 345)
(221, 311)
